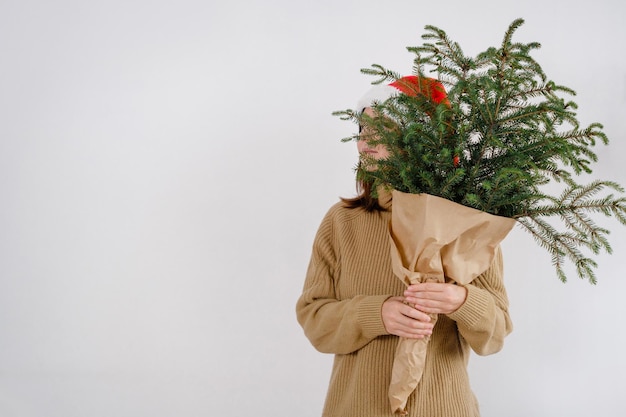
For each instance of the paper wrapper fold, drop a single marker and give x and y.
(433, 239)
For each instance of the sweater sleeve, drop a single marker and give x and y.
(483, 319)
(333, 325)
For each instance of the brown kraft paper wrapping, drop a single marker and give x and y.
(433, 239)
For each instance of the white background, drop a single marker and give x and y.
(164, 167)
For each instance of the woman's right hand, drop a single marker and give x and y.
(402, 320)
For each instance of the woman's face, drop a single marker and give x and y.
(376, 152)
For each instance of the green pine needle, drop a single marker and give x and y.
(511, 130)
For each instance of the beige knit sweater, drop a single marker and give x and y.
(348, 279)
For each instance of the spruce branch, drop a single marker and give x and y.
(506, 131)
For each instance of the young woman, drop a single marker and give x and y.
(354, 307)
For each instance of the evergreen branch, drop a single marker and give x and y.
(561, 246)
(510, 131)
(383, 73)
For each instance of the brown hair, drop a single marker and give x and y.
(364, 200)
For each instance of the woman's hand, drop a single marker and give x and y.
(436, 297)
(403, 320)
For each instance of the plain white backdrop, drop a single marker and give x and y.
(164, 166)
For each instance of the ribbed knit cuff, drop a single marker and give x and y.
(476, 305)
(369, 315)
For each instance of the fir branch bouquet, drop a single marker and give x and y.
(504, 133)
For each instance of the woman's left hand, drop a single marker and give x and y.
(436, 297)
